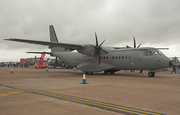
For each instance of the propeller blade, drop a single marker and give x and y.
(139, 45)
(99, 58)
(134, 42)
(96, 39)
(88, 58)
(102, 42)
(97, 49)
(92, 46)
(92, 54)
(105, 51)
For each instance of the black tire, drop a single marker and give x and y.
(151, 74)
(90, 73)
(112, 72)
(106, 72)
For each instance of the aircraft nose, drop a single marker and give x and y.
(170, 63)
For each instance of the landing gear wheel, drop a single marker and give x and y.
(106, 72)
(112, 72)
(151, 74)
(89, 73)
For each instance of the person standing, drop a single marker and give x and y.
(174, 69)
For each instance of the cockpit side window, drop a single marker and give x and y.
(146, 53)
(150, 53)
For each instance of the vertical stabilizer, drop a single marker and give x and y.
(53, 38)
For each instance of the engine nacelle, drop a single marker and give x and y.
(88, 50)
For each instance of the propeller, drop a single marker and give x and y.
(97, 48)
(134, 44)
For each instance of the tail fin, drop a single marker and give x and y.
(42, 56)
(53, 38)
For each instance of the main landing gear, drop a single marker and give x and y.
(89, 73)
(151, 74)
(110, 72)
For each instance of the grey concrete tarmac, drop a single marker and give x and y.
(158, 94)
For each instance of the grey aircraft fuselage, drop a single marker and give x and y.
(124, 60)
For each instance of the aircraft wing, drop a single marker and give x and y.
(51, 44)
(139, 49)
(40, 52)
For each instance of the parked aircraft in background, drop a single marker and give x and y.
(96, 58)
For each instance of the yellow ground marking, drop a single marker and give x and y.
(94, 102)
(9, 93)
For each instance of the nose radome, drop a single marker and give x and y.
(170, 63)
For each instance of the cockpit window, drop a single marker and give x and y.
(160, 52)
(146, 53)
(150, 53)
(157, 52)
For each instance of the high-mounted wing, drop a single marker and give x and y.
(40, 52)
(139, 49)
(51, 44)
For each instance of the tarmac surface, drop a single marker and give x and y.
(58, 91)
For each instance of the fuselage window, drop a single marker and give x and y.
(107, 57)
(116, 57)
(113, 57)
(122, 57)
(119, 57)
(104, 57)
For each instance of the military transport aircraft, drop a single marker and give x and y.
(96, 58)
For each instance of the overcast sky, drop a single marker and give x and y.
(154, 23)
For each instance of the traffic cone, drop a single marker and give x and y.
(11, 70)
(46, 68)
(84, 78)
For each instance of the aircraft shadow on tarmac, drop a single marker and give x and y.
(118, 74)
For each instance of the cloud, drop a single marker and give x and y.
(151, 22)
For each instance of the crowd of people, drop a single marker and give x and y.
(21, 65)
